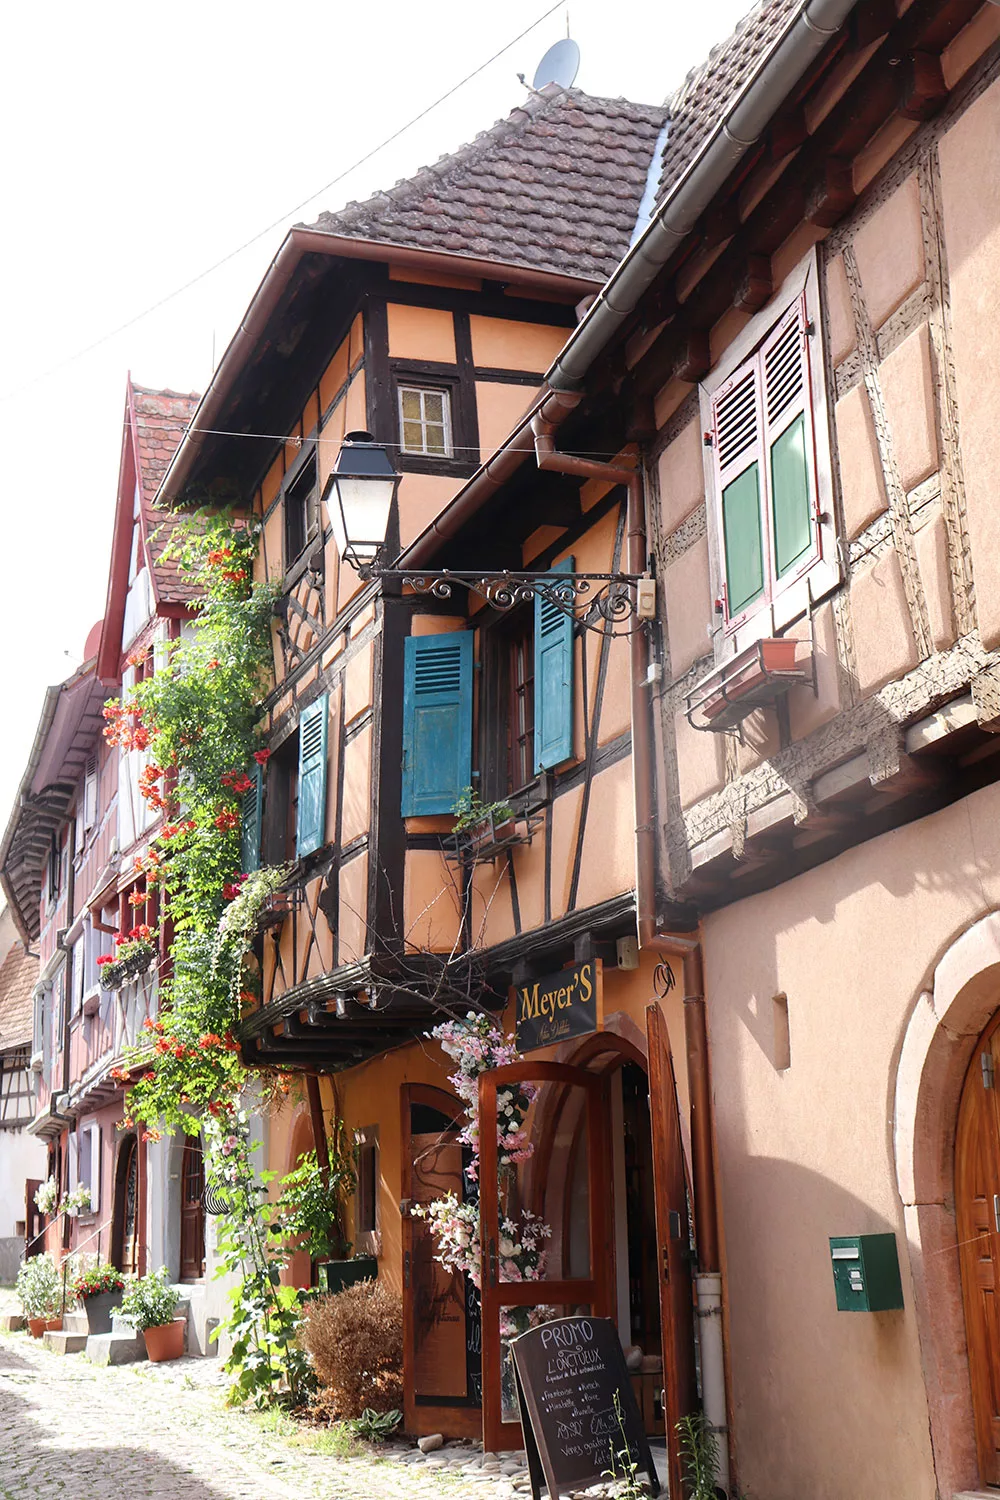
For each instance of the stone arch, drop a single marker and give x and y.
(940, 1038)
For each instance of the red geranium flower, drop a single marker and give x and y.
(262, 757)
(105, 958)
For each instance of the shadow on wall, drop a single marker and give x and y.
(818, 1393)
(34, 1465)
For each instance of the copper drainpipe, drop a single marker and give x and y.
(688, 949)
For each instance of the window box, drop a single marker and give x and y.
(279, 905)
(755, 678)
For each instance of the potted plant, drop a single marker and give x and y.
(149, 1305)
(47, 1196)
(99, 1288)
(483, 825)
(78, 1201)
(40, 1293)
(135, 953)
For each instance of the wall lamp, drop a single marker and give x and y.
(359, 495)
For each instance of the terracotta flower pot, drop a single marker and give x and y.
(165, 1341)
(37, 1326)
(53, 1325)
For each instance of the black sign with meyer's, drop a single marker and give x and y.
(578, 1410)
(559, 1006)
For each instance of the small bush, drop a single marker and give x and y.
(356, 1342)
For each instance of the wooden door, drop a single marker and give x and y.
(192, 1211)
(977, 1208)
(590, 1291)
(33, 1220)
(125, 1227)
(680, 1395)
(440, 1311)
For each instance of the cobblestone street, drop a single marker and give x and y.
(143, 1431)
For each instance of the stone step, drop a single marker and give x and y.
(115, 1348)
(11, 1323)
(75, 1322)
(61, 1342)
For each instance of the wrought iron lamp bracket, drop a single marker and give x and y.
(608, 603)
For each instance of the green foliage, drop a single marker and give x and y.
(196, 719)
(700, 1451)
(149, 1301)
(38, 1287)
(624, 1471)
(469, 810)
(374, 1426)
(312, 1210)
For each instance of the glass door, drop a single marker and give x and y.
(545, 1216)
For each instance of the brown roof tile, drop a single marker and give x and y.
(704, 96)
(161, 419)
(556, 186)
(18, 976)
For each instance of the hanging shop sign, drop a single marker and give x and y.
(578, 1409)
(559, 1006)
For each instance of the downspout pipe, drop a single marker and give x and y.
(736, 133)
(708, 1282)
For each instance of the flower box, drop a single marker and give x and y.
(755, 678)
(100, 1310)
(335, 1275)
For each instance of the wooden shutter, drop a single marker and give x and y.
(738, 465)
(437, 721)
(553, 680)
(90, 793)
(310, 822)
(250, 819)
(788, 441)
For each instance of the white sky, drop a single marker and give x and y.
(144, 143)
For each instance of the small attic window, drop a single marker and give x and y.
(425, 421)
(299, 511)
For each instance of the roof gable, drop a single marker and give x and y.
(555, 187)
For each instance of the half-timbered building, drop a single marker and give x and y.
(22, 1158)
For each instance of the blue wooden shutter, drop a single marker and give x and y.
(250, 819)
(310, 821)
(437, 721)
(553, 680)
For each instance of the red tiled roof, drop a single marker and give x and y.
(18, 976)
(161, 418)
(702, 99)
(556, 186)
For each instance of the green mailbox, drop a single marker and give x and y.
(866, 1272)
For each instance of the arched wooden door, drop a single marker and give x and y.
(125, 1225)
(977, 1208)
(192, 1210)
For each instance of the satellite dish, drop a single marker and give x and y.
(559, 65)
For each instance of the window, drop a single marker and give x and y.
(425, 421)
(294, 821)
(768, 470)
(300, 514)
(366, 1215)
(526, 709)
(85, 1162)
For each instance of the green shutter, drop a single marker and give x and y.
(310, 821)
(790, 496)
(437, 721)
(742, 537)
(250, 819)
(553, 680)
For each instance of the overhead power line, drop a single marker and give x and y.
(276, 223)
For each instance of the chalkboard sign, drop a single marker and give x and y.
(567, 1374)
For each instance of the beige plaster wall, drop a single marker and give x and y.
(830, 1405)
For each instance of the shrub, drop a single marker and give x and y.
(96, 1279)
(355, 1339)
(149, 1301)
(39, 1287)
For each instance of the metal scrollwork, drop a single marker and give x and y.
(603, 602)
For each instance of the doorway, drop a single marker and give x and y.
(977, 1211)
(125, 1225)
(192, 1210)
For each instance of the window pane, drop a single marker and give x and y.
(435, 439)
(741, 530)
(434, 406)
(790, 490)
(413, 437)
(411, 405)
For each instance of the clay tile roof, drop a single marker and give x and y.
(18, 976)
(707, 90)
(556, 186)
(161, 418)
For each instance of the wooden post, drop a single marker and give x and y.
(318, 1127)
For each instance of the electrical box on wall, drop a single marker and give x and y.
(866, 1272)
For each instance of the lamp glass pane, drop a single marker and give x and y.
(366, 503)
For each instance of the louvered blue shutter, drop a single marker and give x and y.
(310, 821)
(437, 721)
(250, 819)
(553, 680)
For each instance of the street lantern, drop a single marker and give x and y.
(359, 495)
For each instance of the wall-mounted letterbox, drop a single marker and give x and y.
(866, 1272)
